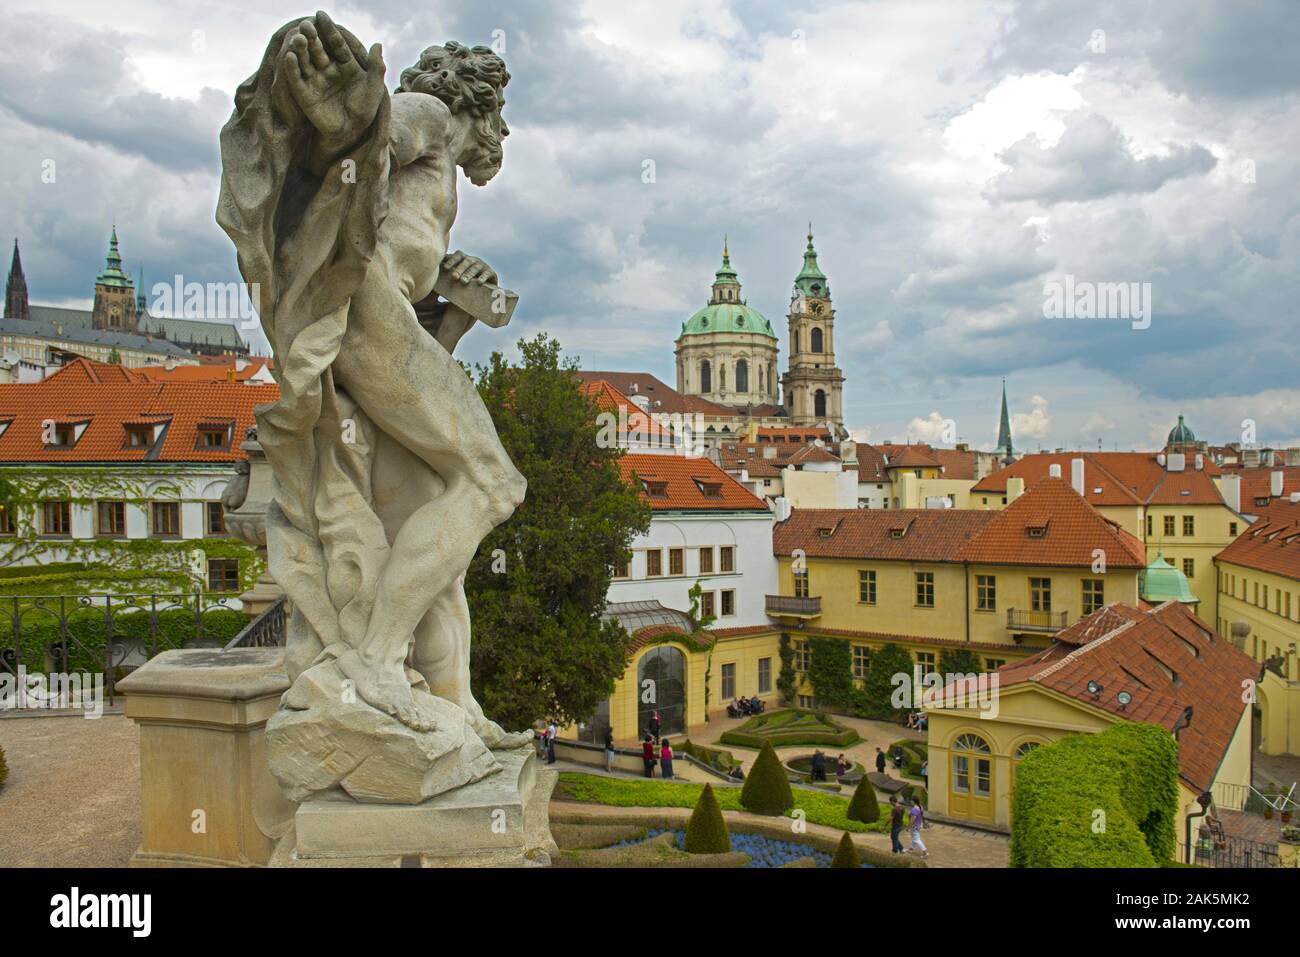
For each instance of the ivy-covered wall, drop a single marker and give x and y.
(1098, 800)
(36, 565)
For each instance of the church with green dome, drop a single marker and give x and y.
(727, 352)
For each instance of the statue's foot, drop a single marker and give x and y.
(497, 738)
(389, 693)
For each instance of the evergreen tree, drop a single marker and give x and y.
(864, 807)
(846, 855)
(537, 586)
(767, 789)
(706, 832)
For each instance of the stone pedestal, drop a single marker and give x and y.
(500, 821)
(208, 797)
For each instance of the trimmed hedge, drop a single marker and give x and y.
(788, 728)
(846, 855)
(1097, 800)
(715, 758)
(706, 832)
(767, 789)
(87, 634)
(864, 807)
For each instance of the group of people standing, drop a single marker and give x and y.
(656, 750)
(913, 818)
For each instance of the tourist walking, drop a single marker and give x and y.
(609, 749)
(880, 761)
(916, 818)
(666, 760)
(648, 755)
(895, 825)
(552, 732)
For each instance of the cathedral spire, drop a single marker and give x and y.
(811, 281)
(1004, 446)
(16, 305)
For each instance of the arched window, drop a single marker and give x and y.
(771, 377)
(665, 666)
(1025, 748)
(971, 742)
(742, 375)
(706, 376)
(816, 340)
(760, 378)
(819, 403)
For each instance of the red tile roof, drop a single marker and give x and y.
(205, 372)
(810, 453)
(911, 457)
(1167, 660)
(679, 484)
(1116, 478)
(609, 399)
(662, 397)
(908, 534)
(107, 398)
(1073, 530)
(1271, 544)
(1256, 483)
(1052, 525)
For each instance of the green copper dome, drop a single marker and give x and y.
(112, 275)
(1180, 434)
(726, 311)
(1162, 582)
(727, 317)
(811, 281)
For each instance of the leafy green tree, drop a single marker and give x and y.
(537, 586)
(960, 661)
(785, 680)
(706, 832)
(114, 357)
(846, 855)
(879, 686)
(767, 789)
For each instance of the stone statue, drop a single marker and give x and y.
(388, 472)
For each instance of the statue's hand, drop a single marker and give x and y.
(338, 85)
(468, 268)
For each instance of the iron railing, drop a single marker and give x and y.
(1026, 620)
(1229, 852)
(789, 605)
(264, 631)
(104, 634)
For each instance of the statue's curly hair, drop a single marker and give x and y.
(465, 78)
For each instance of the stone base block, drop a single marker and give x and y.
(500, 821)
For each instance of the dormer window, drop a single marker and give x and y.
(709, 489)
(1036, 531)
(139, 437)
(213, 436)
(61, 436)
(654, 488)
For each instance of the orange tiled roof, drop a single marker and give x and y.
(732, 456)
(1272, 544)
(1256, 484)
(107, 398)
(205, 372)
(911, 457)
(1116, 478)
(610, 399)
(1167, 660)
(907, 534)
(1072, 531)
(1052, 525)
(810, 453)
(680, 484)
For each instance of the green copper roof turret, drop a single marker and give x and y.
(1162, 582)
(112, 274)
(1180, 434)
(811, 281)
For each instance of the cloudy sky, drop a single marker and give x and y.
(957, 159)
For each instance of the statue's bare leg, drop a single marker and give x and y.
(418, 394)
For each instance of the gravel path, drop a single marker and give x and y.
(72, 798)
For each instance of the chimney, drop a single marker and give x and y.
(1054, 470)
(769, 451)
(1176, 462)
(1200, 461)
(1230, 489)
(781, 508)
(1160, 460)
(1295, 497)
(1076, 475)
(1015, 489)
(1275, 484)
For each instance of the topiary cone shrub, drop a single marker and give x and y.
(706, 833)
(767, 789)
(864, 807)
(846, 855)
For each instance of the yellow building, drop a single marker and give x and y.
(1178, 505)
(1162, 666)
(997, 584)
(1259, 605)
